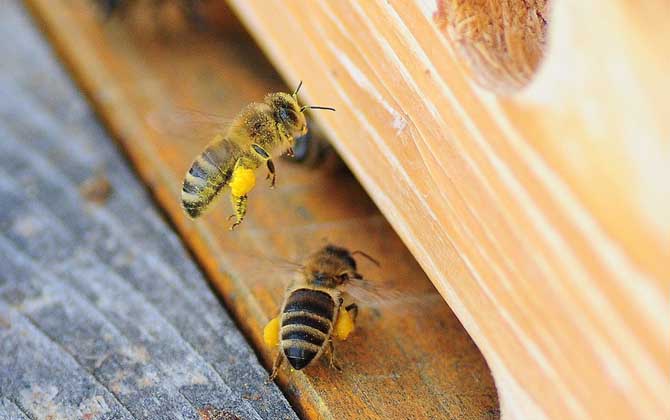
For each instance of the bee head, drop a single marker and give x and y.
(288, 112)
(331, 266)
(342, 255)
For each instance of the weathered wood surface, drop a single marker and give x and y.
(410, 360)
(534, 193)
(103, 315)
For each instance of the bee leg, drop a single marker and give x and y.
(232, 216)
(275, 367)
(332, 357)
(234, 225)
(271, 174)
(353, 311)
(240, 208)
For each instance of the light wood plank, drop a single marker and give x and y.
(533, 193)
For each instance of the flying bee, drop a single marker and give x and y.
(259, 132)
(314, 311)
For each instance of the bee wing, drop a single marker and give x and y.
(281, 264)
(374, 294)
(258, 269)
(187, 124)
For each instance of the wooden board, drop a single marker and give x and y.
(103, 313)
(520, 149)
(406, 360)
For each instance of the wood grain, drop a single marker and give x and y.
(409, 359)
(533, 192)
(103, 314)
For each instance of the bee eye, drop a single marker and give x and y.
(287, 115)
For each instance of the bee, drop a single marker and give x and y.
(313, 312)
(121, 7)
(313, 150)
(259, 132)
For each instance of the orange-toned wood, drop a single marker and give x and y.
(406, 360)
(520, 149)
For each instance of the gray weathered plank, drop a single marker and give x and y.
(10, 411)
(102, 313)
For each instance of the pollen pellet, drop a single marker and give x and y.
(271, 333)
(243, 181)
(343, 326)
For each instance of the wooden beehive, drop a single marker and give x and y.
(521, 150)
(518, 148)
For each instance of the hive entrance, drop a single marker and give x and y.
(501, 41)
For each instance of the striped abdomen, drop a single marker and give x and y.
(208, 174)
(306, 324)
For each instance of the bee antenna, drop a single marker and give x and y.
(297, 89)
(303, 108)
(375, 262)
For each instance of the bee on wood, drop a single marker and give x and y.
(313, 150)
(259, 132)
(314, 311)
(121, 7)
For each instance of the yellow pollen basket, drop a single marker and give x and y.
(242, 181)
(343, 326)
(271, 333)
